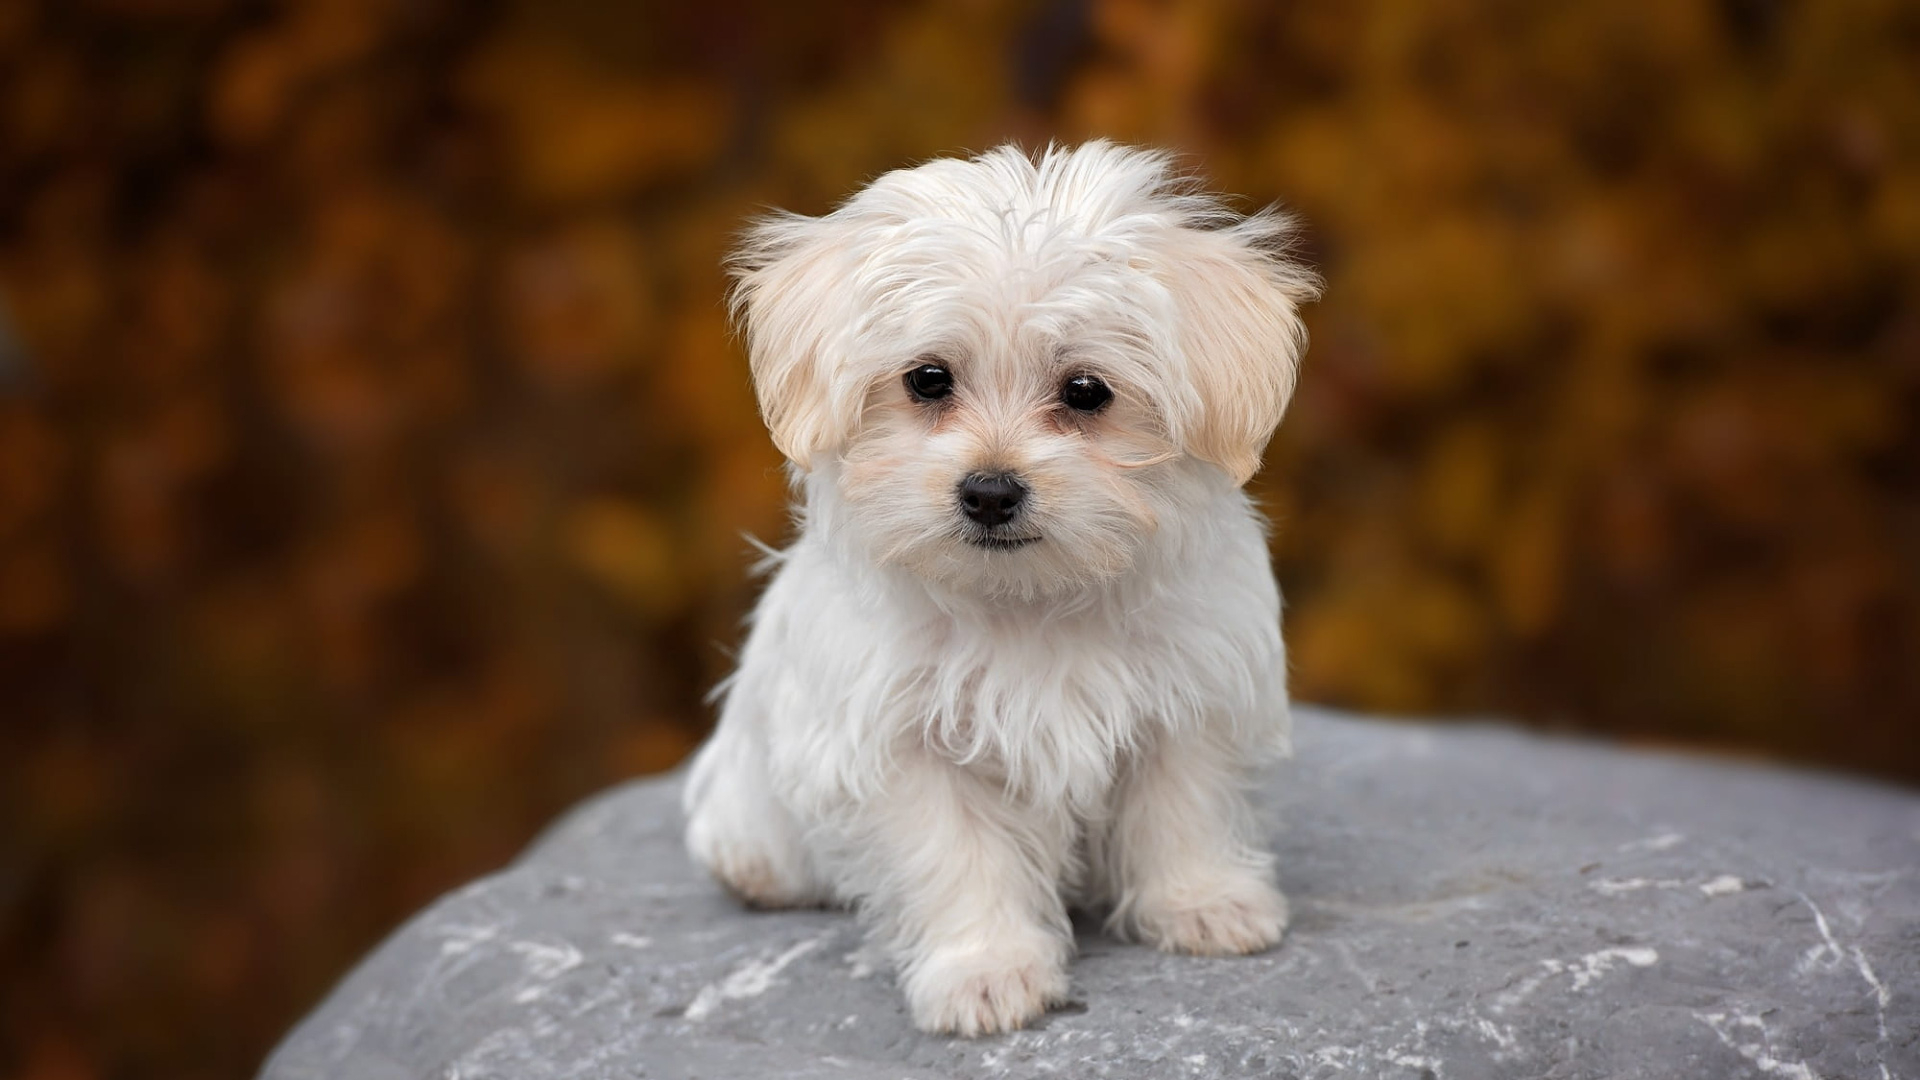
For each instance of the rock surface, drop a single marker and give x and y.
(1468, 902)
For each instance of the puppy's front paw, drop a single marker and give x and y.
(1245, 916)
(981, 991)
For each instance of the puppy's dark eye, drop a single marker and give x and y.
(1085, 393)
(929, 382)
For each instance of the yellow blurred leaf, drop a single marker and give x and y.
(625, 549)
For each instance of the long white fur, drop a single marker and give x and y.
(963, 741)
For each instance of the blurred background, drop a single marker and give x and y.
(374, 456)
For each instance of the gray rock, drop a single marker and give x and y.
(1468, 902)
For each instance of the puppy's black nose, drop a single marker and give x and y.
(991, 498)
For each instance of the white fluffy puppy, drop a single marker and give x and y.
(1028, 640)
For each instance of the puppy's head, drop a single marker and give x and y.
(1011, 370)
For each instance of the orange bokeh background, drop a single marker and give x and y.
(374, 456)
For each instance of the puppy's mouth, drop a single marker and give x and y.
(990, 542)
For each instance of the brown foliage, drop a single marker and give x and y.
(374, 457)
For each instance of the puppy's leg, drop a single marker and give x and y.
(744, 837)
(1181, 859)
(964, 887)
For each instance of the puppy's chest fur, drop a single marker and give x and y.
(848, 667)
(1048, 703)
(1047, 708)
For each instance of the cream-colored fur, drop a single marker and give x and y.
(960, 728)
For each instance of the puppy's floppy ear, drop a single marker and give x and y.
(1236, 296)
(788, 291)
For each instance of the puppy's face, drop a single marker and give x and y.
(1007, 368)
(1007, 454)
